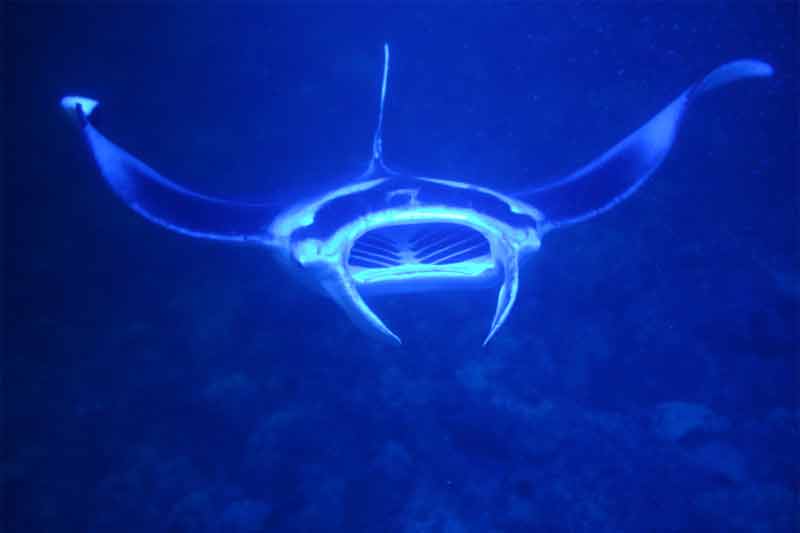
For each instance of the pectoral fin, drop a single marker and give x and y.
(616, 174)
(162, 201)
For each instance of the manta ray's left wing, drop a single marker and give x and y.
(162, 201)
(615, 175)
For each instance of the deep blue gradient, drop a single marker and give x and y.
(646, 380)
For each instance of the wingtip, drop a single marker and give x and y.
(71, 104)
(739, 69)
(757, 68)
(78, 108)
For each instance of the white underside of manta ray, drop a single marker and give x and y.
(391, 232)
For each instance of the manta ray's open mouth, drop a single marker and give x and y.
(443, 253)
(419, 244)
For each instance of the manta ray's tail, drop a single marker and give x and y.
(162, 201)
(615, 175)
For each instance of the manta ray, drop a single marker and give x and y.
(387, 231)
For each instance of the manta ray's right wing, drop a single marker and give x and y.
(162, 201)
(615, 175)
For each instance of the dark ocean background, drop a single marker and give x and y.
(646, 380)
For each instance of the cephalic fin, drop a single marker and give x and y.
(343, 291)
(377, 141)
(507, 295)
(376, 165)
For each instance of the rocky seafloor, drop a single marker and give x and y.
(230, 423)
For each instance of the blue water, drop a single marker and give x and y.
(646, 380)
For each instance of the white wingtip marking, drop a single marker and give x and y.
(736, 70)
(70, 103)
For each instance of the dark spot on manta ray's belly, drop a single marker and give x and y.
(401, 197)
(396, 192)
